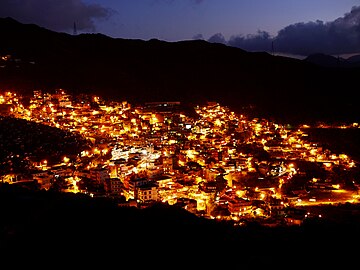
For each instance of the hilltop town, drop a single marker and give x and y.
(206, 159)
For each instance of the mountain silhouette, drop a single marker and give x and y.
(334, 62)
(196, 71)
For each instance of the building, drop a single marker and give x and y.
(113, 186)
(148, 192)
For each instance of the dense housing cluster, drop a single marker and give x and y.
(206, 159)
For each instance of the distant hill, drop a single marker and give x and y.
(196, 71)
(354, 59)
(325, 60)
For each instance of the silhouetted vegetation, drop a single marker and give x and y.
(23, 142)
(32, 220)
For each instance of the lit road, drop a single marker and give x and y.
(315, 197)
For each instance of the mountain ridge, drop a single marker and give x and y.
(190, 71)
(332, 61)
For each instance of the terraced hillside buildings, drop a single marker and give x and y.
(206, 159)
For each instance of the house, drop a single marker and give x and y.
(44, 178)
(238, 206)
(113, 186)
(99, 174)
(147, 192)
(163, 180)
(134, 184)
(294, 216)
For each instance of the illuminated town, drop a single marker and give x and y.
(211, 161)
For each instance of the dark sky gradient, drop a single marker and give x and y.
(290, 27)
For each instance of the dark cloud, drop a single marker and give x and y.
(217, 38)
(57, 15)
(341, 36)
(305, 38)
(198, 36)
(262, 41)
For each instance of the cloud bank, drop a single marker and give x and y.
(54, 14)
(341, 36)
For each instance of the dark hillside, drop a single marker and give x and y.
(96, 230)
(191, 71)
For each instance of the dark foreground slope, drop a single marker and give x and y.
(43, 223)
(192, 71)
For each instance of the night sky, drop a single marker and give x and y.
(292, 27)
